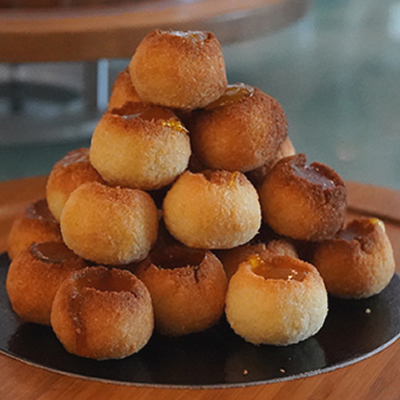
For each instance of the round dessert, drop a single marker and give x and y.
(35, 224)
(187, 288)
(231, 259)
(179, 69)
(34, 277)
(278, 300)
(67, 174)
(306, 202)
(122, 91)
(109, 225)
(212, 210)
(358, 262)
(102, 313)
(240, 131)
(140, 146)
(257, 176)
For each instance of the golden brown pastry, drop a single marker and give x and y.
(109, 225)
(306, 202)
(66, 175)
(122, 91)
(34, 277)
(179, 69)
(187, 287)
(358, 262)
(140, 146)
(35, 224)
(212, 210)
(277, 300)
(102, 313)
(241, 131)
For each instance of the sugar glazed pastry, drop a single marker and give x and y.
(109, 225)
(67, 174)
(122, 91)
(358, 262)
(277, 300)
(102, 313)
(35, 224)
(187, 287)
(34, 277)
(212, 210)
(306, 202)
(240, 131)
(140, 146)
(179, 69)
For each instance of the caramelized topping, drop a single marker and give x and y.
(233, 94)
(275, 270)
(39, 210)
(196, 36)
(177, 257)
(52, 252)
(313, 175)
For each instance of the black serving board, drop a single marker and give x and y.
(216, 357)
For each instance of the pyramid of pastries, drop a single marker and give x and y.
(190, 203)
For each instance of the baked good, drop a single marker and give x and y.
(122, 91)
(279, 300)
(66, 175)
(212, 210)
(35, 224)
(187, 288)
(241, 131)
(140, 146)
(102, 313)
(109, 225)
(179, 69)
(34, 277)
(303, 201)
(358, 262)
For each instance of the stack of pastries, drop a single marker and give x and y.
(190, 203)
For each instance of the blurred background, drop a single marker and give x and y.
(335, 70)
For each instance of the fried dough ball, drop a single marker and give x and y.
(306, 202)
(102, 313)
(67, 174)
(257, 176)
(212, 210)
(187, 287)
(109, 225)
(231, 259)
(34, 277)
(35, 224)
(179, 69)
(358, 262)
(140, 146)
(122, 91)
(241, 131)
(278, 300)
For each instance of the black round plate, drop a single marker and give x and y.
(216, 357)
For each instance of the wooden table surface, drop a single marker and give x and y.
(374, 378)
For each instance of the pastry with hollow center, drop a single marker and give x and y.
(179, 69)
(109, 225)
(34, 277)
(140, 146)
(358, 262)
(122, 91)
(187, 287)
(102, 313)
(277, 300)
(212, 210)
(305, 202)
(35, 224)
(67, 174)
(241, 131)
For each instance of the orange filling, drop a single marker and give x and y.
(275, 270)
(52, 252)
(233, 94)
